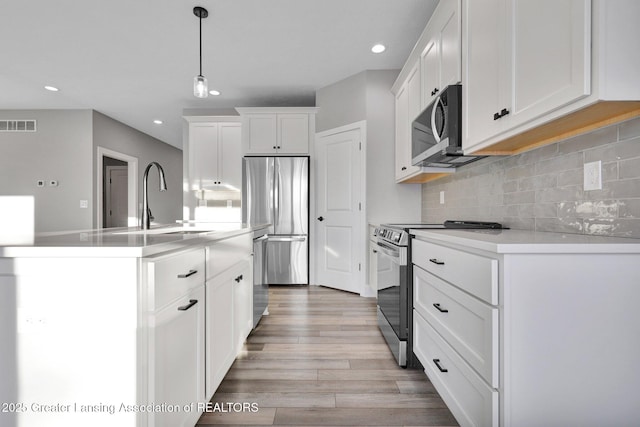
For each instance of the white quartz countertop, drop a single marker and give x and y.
(125, 242)
(521, 241)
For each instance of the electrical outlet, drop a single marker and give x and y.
(442, 197)
(593, 176)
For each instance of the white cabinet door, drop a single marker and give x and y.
(261, 133)
(441, 58)
(203, 155)
(551, 62)
(178, 359)
(484, 36)
(242, 303)
(430, 72)
(230, 158)
(516, 69)
(220, 345)
(407, 108)
(293, 133)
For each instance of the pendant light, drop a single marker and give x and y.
(200, 88)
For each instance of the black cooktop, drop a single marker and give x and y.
(457, 224)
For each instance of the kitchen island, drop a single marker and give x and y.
(121, 327)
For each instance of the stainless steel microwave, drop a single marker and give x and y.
(436, 134)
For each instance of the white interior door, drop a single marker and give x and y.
(339, 218)
(117, 198)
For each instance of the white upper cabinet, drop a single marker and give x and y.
(522, 60)
(215, 156)
(273, 131)
(536, 72)
(441, 58)
(407, 108)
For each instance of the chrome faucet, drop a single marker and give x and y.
(146, 212)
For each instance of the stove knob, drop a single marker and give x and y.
(397, 239)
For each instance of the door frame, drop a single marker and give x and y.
(132, 183)
(314, 251)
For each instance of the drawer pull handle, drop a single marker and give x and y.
(190, 273)
(441, 310)
(435, 261)
(437, 362)
(238, 279)
(192, 302)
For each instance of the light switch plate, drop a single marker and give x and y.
(84, 204)
(593, 176)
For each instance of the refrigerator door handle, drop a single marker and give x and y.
(287, 238)
(276, 193)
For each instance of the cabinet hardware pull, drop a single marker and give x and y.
(504, 112)
(274, 147)
(434, 91)
(192, 302)
(190, 273)
(435, 261)
(238, 279)
(496, 116)
(441, 310)
(375, 252)
(404, 168)
(437, 362)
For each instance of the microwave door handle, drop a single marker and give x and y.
(434, 128)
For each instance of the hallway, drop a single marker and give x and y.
(318, 359)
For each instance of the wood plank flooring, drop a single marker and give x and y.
(319, 359)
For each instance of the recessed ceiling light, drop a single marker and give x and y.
(51, 88)
(158, 122)
(378, 48)
(214, 92)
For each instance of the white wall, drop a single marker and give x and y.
(116, 136)
(59, 150)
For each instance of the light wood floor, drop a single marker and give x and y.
(319, 359)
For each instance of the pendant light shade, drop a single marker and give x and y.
(200, 87)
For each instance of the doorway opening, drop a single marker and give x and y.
(117, 189)
(114, 193)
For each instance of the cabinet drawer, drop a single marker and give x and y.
(226, 253)
(469, 398)
(473, 273)
(171, 276)
(467, 324)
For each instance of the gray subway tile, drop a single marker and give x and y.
(610, 171)
(589, 209)
(624, 189)
(560, 194)
(545, 210)
(538, 182)
(560, 163)
(520, 197)
(629, 168)
(560, 225)
(613, 227)
(589, 140)
(570, 177)
(629, 208)
(629, 129)
(614, 151)
(519, 223)
(510, 186)
(518, 172)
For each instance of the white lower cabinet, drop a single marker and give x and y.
(178, 359)
(242, 303)
(557, 347)
(221, 349)
(469, 398)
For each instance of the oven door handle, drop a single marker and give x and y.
(388, 251)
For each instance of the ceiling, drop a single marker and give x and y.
(135, 60)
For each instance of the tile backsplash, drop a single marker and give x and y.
(542, 189)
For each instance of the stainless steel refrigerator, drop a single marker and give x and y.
(276, 191)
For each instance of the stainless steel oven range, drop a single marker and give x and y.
(391, 244)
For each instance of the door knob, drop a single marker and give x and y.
(320, 218)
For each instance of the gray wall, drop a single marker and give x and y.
(59, 150)
(113, 135)
(367, 96)
(342, 103)
(542, 189)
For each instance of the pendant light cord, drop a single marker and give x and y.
(200, 18)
